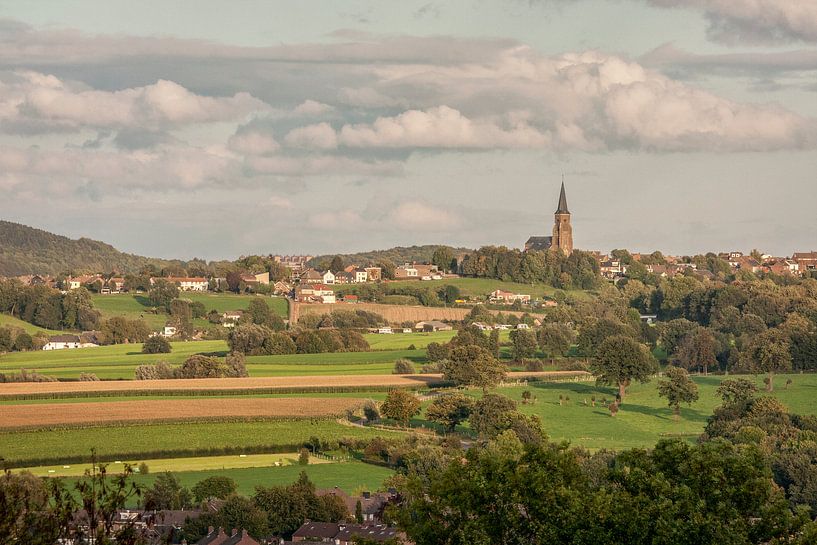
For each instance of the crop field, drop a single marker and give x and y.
(644, 417)
(195, 409)
(137, 305)
(24, 448)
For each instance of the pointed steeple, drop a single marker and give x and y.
(562, 209)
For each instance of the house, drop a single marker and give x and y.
(432, 325)
(522, 325)
(806, 261)
(507, 297)
(350, 298)
(281, 288)
(404, 272)
(385, 330)
(361, 276)
(62, 342)
(482, 326)
(649, 319)
(116, 284)
(188, 283)
(371, 504)
(342, 534)
(168, 331)
(328, 277)
(314, 293)
(295, 263)
(374, 273)
(220, 537)
(612, 269)
(231, 317)
(252, 280)
(344, 277)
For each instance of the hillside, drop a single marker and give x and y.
(26, 250)
(397, 255)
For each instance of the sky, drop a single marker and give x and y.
(184, 129)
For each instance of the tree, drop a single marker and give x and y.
(156, 345)
(403, 367)
(449, 410)
(358, 512)
(472, 365)
(442, 257)
(252, 339)
(593, 333)
(218, 486)
(736, 390)
(697, 350)
(337, 264)
(620, 360)
(259, 313)
(167, 493)
(303, 457)
(400, 405)
(524, 343)
(770, 353)
(678, 389)
(489, 416)
(555, 339)
(162, 293)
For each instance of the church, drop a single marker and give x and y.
(562, 238)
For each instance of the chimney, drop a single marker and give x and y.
(210, 530)
(235, 531)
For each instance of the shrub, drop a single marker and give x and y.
(279, 343)
(159, 370)
(403, 367)
(533, 365)
(433, 367)
(88, 377)
(303, 457)
(436, 351)
(411, 347)
(143, 469)
(156, 345)
(371, 411)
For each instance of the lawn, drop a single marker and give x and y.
(644, 417)
(480, 287)
(31, 448)
(31, 329)
(137, 305)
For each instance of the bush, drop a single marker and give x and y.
(88, 377)
(436, 351)
(412, 347)
(533, 365)
(403, 367)
(433, 367)
(303, 457)
(143, 469)
(157, 371)
(26, 376)
(371, 411)
(156, 345)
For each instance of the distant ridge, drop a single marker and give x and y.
(397, 255)
(26, 250)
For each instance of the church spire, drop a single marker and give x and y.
(562, 209)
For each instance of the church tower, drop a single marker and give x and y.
(562, 230)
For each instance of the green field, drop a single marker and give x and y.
(31, 329)
(119, 361)
(26, 448)
(479, 287)
(644, 417)
(135, 306)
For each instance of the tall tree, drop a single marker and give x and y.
(770, 353)
(450, 409)
(400, 405)
(697, 350)
(620, 360)
(472, 365)
(442, 257)
(678, 388)
(523, 342)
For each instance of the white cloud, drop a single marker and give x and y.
(320, 136)
(36, 98)
(312, 108)
(420, 216)
(755, 20)
(320, 165)
(253, 143)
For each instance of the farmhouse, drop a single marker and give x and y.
(404, 272)
(61, 342)
(507, 297)
(372, 505)
(231, 317)
(314, 293)
(432, 325)
(373, 273)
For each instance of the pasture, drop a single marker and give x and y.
(644, 417)
(134, 306)
(31, 329)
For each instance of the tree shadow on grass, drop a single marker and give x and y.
(143, 300)
(665, 413)
(579, 388)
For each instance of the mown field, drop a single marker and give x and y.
(135, 306)
(72, 445)
(644, 417)
(31, 329)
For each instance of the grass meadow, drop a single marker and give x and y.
(31, 329)
(644, 417)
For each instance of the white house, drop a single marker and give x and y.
(168, 331)
(231, 317)
(328, 277)
(189, 283)
(61, 342)
(385, 330)
(360, 276)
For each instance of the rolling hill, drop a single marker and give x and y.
(26, 250)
